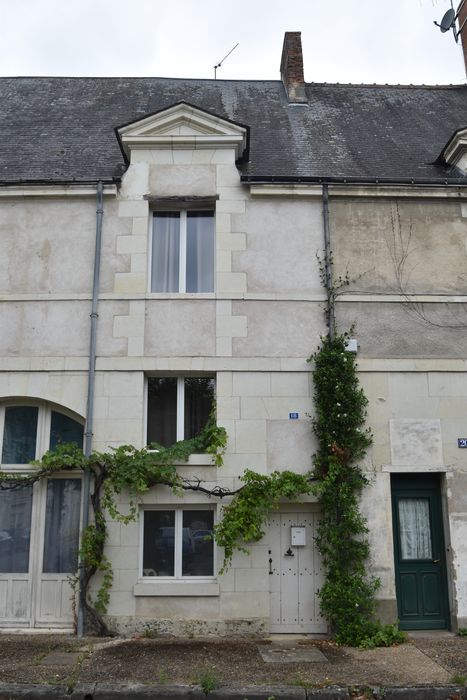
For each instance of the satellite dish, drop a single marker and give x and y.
(448, 20)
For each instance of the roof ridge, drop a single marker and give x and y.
(402, 86)
(407, 86)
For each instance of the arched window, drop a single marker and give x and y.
(28, 430)
(40, 523)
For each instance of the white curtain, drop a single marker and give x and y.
(15, 530)
(200, 251)
(61, 539)
(414, 526)
(166, 252)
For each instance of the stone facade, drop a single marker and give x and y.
(404, 252)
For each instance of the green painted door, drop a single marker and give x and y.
(420, 563)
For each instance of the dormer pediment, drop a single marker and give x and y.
(455, 151)
(183, 126)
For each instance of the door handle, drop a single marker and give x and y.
(435, 561)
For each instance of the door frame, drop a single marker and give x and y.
(422, 485)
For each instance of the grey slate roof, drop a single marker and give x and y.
(62, 129)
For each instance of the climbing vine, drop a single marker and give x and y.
(121, 469)
(348, 594)
(245, 517)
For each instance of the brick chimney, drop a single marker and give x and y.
(462, 25)
(292, 67)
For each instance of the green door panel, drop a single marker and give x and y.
(419, 552)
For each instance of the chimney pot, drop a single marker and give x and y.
(292, 67)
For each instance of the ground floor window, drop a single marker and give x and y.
(177, 543)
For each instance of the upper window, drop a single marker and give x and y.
(183, 251)
(178, 407)
(26, 432)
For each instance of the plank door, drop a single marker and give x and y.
(295, 575)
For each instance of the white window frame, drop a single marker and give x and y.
(180, 420)
(178, 540)
(183, 213)
(44, 424)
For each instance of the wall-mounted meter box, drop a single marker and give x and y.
(298, 536)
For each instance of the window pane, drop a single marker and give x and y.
(198, 546)
(15, 530)
(65, 429)
(200, 251)
(414, 523)
(199, 395)
(61, 539)
(19, 436)
(166, 252)
(162, 410)
(159, 543)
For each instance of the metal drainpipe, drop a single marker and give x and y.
(90, 400)
(331, 316)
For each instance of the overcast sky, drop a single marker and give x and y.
(382, 41)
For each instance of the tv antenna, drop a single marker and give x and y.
(218, 65)
(449, 22)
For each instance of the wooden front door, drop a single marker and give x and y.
(295, 574)
(419, 552)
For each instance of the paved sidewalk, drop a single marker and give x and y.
(53, 666)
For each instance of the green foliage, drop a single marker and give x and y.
(208, 680)
(91, 554)
(459, 679)
(123, 469)
(244, 518)
(348, 594)
(65, 456)
(334, 289)
(380, 635)
(135, 471)
(462, 632)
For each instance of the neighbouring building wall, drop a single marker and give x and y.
(411, 359)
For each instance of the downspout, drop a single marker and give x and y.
(330, 310)
(90, 399)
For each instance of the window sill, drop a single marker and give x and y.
(181, 295)
(176, 588)
(199, 460)
(195, 460)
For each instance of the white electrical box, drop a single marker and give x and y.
(298, 536)
(351, 345)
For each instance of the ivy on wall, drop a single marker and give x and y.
(348, 594)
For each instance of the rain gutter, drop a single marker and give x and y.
(81, 623)
(433, 182)
(330, 312)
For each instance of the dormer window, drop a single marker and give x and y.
(183, 252)
(455, 151)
